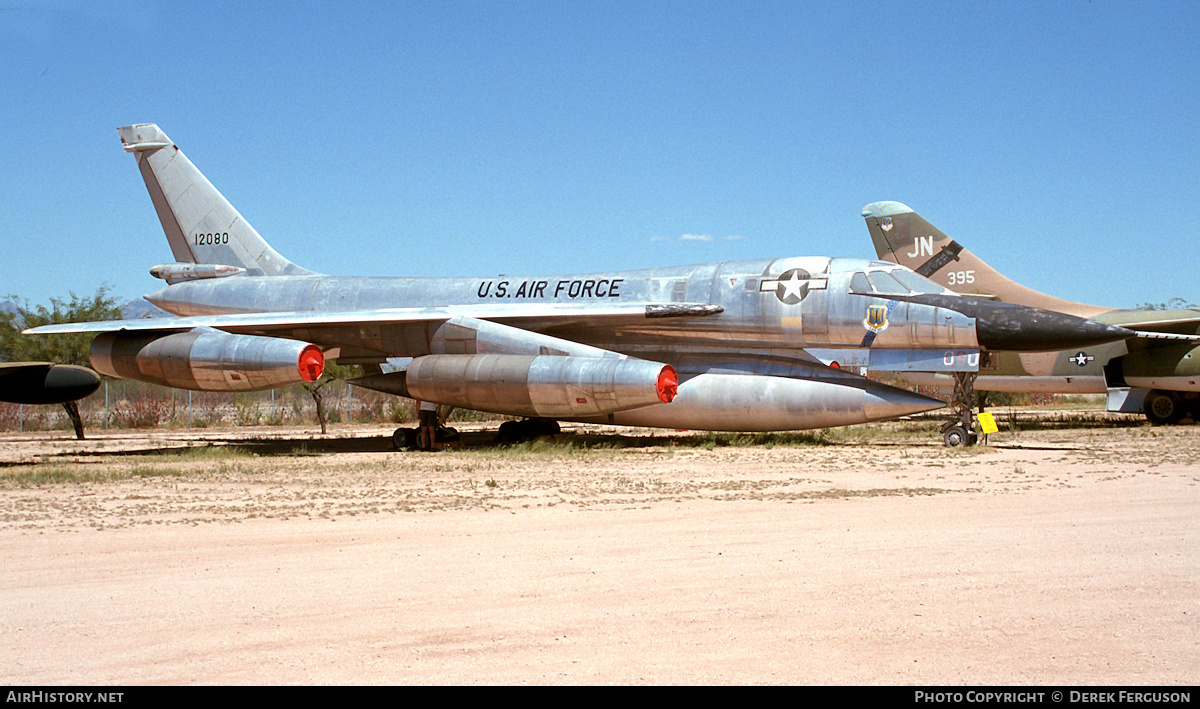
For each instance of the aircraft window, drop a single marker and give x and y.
(884, 283)
(859, 283)
(915, 282)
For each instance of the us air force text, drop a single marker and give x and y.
(573, 288)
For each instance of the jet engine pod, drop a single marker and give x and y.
(207, 360)
(548, 386)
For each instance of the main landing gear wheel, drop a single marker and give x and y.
(956, 436)
(1163, 408)
(404, 439)
(960, 429)
(526, 430)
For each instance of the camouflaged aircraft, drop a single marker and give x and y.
(717, 346)
(1157, 373)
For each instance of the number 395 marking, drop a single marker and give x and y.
(959, 278)
(206, 239)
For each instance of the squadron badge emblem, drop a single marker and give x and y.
(876, 318)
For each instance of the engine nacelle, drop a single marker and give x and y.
(540, 385)
(207, 360)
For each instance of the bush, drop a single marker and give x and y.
(145, 411)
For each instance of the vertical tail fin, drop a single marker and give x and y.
(200, 224)
(904, 237)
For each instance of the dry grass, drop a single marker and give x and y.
(233, 477)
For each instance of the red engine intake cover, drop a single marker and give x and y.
(668, 384)
(311, 363)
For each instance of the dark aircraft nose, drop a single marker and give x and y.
(46, 383)
(1005, 326)
(1021, 328)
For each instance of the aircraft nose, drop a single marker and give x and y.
(72, 382)
(1022, 328)
(45, 383)
(1005, 326)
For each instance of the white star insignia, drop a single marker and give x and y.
(793, 285)
(1081, 359)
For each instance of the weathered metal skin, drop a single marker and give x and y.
(761, 392)
(746, 402)
(836, 315)
(464, 335)
(207, 360)
(546, 386)
(748, 317)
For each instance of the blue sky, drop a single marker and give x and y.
(1059, 141)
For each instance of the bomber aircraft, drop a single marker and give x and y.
(1157, 373)
(716, 346)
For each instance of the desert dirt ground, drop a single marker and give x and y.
(1065, 556)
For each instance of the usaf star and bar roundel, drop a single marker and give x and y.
(1081, 359)
(792, 286)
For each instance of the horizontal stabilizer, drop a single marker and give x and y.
(1165, 336)
(145, 136)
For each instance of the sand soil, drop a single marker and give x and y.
(274, 556)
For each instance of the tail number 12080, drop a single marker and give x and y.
(207, 239)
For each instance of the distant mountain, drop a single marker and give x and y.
(133, 310)
(141, 308)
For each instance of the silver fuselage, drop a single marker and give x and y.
(759, 313)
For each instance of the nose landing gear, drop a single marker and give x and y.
(960, 429)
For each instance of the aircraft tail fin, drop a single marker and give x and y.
(904, 237)
(201, 225)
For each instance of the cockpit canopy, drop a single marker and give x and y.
(890, 279)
